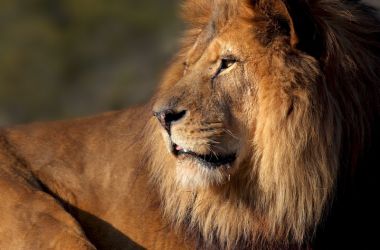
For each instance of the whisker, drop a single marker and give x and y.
(231, 134)
(214, 153)
(213, 141)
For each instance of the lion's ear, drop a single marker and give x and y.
(294, 18)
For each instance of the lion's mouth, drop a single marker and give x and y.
(211, 161)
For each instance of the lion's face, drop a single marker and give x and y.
(208, 115)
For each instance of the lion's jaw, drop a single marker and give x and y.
(206, 159)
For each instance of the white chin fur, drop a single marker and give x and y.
(192, 174)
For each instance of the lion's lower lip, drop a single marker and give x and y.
(209, 160)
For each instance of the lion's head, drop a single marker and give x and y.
(252, 114)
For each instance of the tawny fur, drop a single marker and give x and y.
(289, 181)
(298, 107)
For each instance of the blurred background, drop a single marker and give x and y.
(67, 58)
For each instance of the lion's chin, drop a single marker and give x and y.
(193, 174)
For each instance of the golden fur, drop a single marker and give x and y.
(291, 88)
(297, 116)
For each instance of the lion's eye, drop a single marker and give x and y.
(227, 63)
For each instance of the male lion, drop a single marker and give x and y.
(265, 135)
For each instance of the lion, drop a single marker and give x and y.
(263, 134)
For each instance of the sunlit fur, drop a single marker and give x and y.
(296, 119)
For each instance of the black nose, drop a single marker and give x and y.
(168, 116)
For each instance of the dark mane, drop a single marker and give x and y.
(350, 32)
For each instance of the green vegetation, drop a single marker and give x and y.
(66, 58)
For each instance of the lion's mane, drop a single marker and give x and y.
(296, 161)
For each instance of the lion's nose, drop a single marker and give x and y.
(168, 117)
